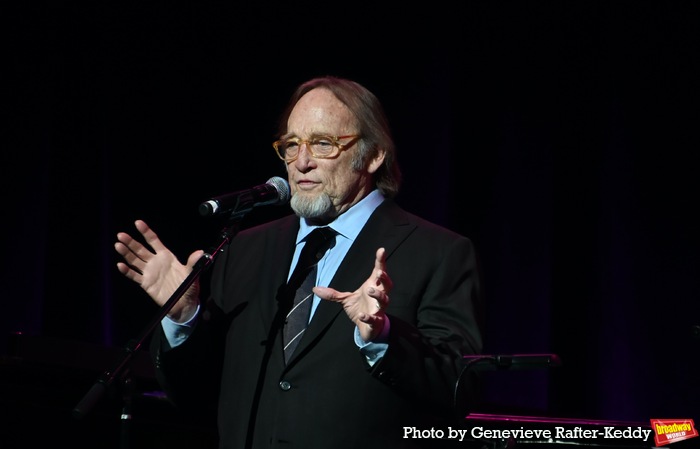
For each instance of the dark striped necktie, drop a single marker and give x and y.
(304, 276)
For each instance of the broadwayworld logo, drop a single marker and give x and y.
(667, 431)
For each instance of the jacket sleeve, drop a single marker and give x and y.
(189, 374)
(435, 322)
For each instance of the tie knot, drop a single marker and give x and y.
(318, 241)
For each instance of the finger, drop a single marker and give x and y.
(381, 278)
(380, 260)
(381, 298)
(387, 283)
(129, 272)
(374, 321)
(129, 242)
(383, 281)
(133, 258)
(133, 245)
(150, 236)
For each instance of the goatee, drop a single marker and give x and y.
(312, 207)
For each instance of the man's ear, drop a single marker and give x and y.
(376, 161)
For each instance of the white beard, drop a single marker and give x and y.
(315, 207)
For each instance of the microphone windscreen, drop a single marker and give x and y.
(282, 187)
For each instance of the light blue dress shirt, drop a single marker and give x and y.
(348, 225)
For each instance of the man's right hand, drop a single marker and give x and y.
(158, 271)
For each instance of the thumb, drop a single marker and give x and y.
(194, 257)
(327, 293)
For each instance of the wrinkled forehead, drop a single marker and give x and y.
(319, 112)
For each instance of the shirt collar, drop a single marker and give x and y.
(349, 223)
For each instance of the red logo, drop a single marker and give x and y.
(667, 431)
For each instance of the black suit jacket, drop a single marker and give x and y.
(328, 396)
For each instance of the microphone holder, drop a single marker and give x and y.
(511, 361)
(121, 370)
(490, 362)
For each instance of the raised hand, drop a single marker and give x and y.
(157, 270)
(365, 306)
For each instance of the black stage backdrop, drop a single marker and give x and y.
(560, 136)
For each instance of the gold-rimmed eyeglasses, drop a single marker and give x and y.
(320, 147)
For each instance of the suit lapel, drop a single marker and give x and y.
(282, 250)
(387, 227)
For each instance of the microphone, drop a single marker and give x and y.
(274, 191)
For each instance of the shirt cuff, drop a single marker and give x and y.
(374, 350)
(177, 333)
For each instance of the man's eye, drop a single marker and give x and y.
(322, 142)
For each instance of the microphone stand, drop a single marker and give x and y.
(122, 369)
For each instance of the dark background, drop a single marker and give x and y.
(562, 137)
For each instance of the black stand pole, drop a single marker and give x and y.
(108, 377)
(125, 420)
